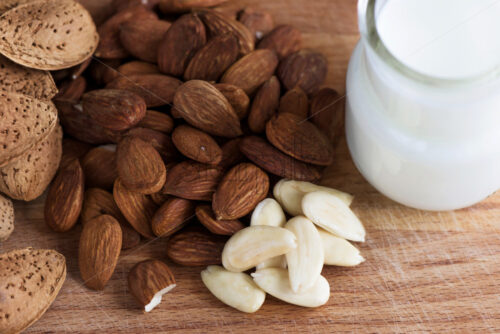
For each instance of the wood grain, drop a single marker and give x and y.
(424, 272)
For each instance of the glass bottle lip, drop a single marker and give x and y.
(369, 32)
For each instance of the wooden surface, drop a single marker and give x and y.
(424, 271)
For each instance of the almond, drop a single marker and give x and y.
(327, 112)
(258, 22)
(179, 6)
(268, 213)
(300, 139)
(138, 209)
(28, 176)
(180, 43)
(100, 245)
(251, 71)
(192, 180)
(157, 121)
(160, 141)
(160, 198)
(31, 280)
(140, 166)
(103, 71)
(206, 216)
(338, 251)
(9, 4)
(196, 145)
(64, 34)
(231, 154)
(73, 149)
(237, 97)
(264, 155)
(65, 198)
(173, 215)
(141, 38)
(212, 60)
(114, 109)
(304, 68)
(220, 24)
(295, 101)
(240, 190)
(6, 218)
(205, 108)
(72, 89)
(195, 247)
(110, 46)
(120, 5)
(264, 105)
(99, 167)
(138, 67)
(148, 281)
(155, 89)
(284, 40)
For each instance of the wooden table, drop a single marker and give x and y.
(424, 271)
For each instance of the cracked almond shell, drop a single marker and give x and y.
(6, 218)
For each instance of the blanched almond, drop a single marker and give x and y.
(268, 213)
(338, 251)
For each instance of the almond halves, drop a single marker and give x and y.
(237, 290)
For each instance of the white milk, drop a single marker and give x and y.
(443, 38)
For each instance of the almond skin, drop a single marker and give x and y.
(206, 216)
(231, 154)
(284, 40)
(196, 145)
(192, 180)
(100, 245)
(304, 68)
(180, 6)
(157, 121)
(160, 141)
(264, 105)
(99, 167)
(212, 60)
(72, 89)
(195, 247)
(237, 97)
(173, 215)
(295, 101)
(141, 38)
(73, 149)
(258, 22)
(114, 109)
(65, 198)
(204, 107)
(181, 42)
(239, 191)
(327, 112)
(267, 157)
(251, 71)
(140, 166)
(138, 67)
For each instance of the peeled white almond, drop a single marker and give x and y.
(289, 194)
(237, 290)
(275, 262)
(306, 261)
(255, 244)
(268, 213)
(338, 251)
(333, 214)
(275, 282)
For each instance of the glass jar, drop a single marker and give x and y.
(425, 141)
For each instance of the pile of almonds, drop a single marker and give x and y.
(178, 119)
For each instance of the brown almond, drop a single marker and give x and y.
(237, 97)
(267, 157)
(192, 180)
(99, 167)
(157, 121)
(220, 24)
(138, 209)
(180, 6)
(300, 139)
(120, 5)
(239, 191)
(110, 46)
(295, 101)
(103, 71)
(284, 40)
(231, 154)
(140, 166)
(196, 145)
(160, 141)
(264, 105)
(155, 89)
(204, 107)
(138, 67)
(72, 89)
(195, 247)
(181, 42)
(65, 198)
(212, 60)
(73, 149)
(100, 245)
(98, 9)
(251, 71)
(304, 68)
(327, 112)
(159, 198)
(173, 215)
(206, 216)
(259, 23)
(141, 38)
(53, 43)
(114, 109)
